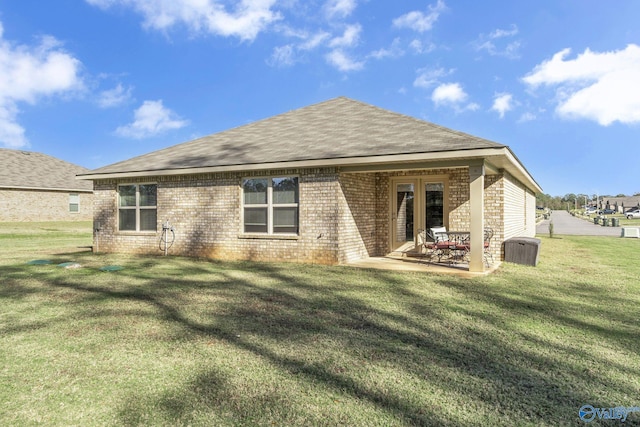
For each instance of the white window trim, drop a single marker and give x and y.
(269, 205)
(137, 207)
(77, 196)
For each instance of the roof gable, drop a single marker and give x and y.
(26, 169)
(340, 128)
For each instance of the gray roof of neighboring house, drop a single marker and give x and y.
(627, 201)
(30, 170)
(340, 128)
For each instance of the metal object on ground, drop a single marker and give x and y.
(630, 232)
(522, 250)
(111, 268)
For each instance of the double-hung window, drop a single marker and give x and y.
(270, 205)
(74, 203)
(137, 207)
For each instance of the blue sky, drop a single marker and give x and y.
(98, 81)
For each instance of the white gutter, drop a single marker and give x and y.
(66, 190)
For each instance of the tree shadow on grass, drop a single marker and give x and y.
(270, 311)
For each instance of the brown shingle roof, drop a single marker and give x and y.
(336, 129)
(26, 169)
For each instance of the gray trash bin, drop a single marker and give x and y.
(522, 250)
(615, 222)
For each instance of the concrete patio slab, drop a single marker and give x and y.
(407, 263)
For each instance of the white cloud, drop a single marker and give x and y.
(452, 95)
(282, 56)
(315, 40)
(419, 47)
(449, 93)
(394, 51)
(26, 75)
(604, 87)
(340, 8)
(114, 97)
(526, 117)
(419, 21)
(494, 46)
(246, 21)
(502, 103)
(342, 62)
(429, 77)
(11, 133)
(152, 118)
(349, 38)
(336, 45)
(499, 33)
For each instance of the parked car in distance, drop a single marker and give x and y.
(607, 212)
(634, 214)
(589, 211)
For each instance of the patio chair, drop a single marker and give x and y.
(439, 243)
(429, 245)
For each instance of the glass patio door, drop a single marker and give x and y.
(434, 204)
(419, 203)
(403, 213)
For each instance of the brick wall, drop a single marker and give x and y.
(205, 211)
(494, 208)
(358, 205)
(342, 216)
(39, 205)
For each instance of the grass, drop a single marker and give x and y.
(624, 222)
(176, 341)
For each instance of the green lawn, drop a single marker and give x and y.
(176, 341)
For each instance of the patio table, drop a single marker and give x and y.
(461, 245)
(454, 245)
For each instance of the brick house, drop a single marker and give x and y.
(330, 183)
(37, 187)
(620, 204)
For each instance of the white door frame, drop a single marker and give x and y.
(419, 206)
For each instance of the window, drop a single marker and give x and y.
(137, 209)
(434, 208)
(270, 205)
(74, 203)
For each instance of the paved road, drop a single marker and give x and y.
(564, 223)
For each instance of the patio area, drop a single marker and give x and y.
(409, 262)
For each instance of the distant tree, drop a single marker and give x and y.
(583, 199)
(551, 202)
(621, 195)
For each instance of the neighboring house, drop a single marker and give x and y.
(621, 204)
(329, 183)
(37, 187)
